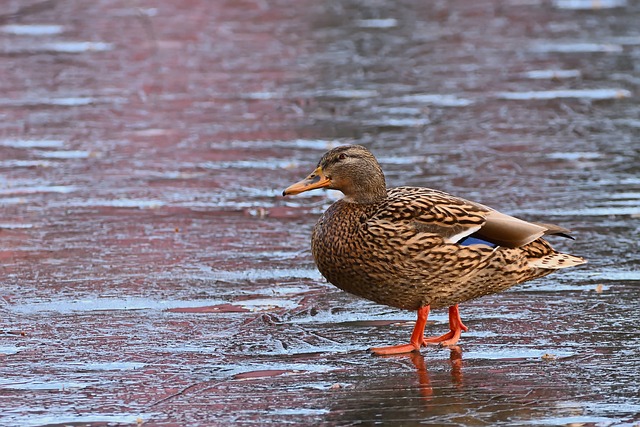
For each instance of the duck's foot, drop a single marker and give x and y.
(395, 349)
(417, 337)
(451, 337)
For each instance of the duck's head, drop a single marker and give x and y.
(352, 169)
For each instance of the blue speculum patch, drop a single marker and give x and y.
(468, 241)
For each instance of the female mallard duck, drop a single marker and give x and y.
(417, 248)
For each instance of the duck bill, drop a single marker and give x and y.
(317, 179)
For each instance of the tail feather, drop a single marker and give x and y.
(556, 230)
(556, 261)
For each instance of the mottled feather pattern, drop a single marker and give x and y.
(430, 211)
(396, 252)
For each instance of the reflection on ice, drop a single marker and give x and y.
(6, 350)
(32, 143)
(313, 144)
(633, 210)
(14, 226)
(576, 155)
(300, 348)
(108, 304)
(273, 274)
(397, 122)
(574, 420)
(32, 29)
(38, 189)
(43, 385)
(608, 275)
(581, 47)
(75, 47)
(178, 306)
(349, 93)
(26, 163)
(377, 23)
(69, 101)
(552, 74)
(263, 304)
(104, 366)
(262, 95)
(298, 411)
(116, 203)
(70, 154)
(588, 4)
(70, 418)
(567, 93)
(269, 164)
(73, 101)
(246, 368)
(513, 352)
(432, 99)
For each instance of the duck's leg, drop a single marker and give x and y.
(456, 326)
(417, 337)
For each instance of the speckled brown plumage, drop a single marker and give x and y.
(382, 252)
(402, 246)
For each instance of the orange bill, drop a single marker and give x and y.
(317, 179)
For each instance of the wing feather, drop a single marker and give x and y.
(430, 211)
(434, 212)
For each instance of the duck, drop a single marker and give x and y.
(416, 248)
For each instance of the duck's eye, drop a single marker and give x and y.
(342, 156)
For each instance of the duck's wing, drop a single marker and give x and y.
(454, 219)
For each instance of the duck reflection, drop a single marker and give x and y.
(424, 382)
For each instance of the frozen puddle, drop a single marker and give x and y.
(299, 411)
(116, 203)
(44, 385)
(62, 419)
(578, 47)
(26, 163)
(271, 274)
(583, 212)
(76, 47)
(32, 29)
(377, 23)
(432, 99)
(32, 143)
(268, 164)
(108, 304)
(588, 4)
(575, 155)
(515, 353)
(260, 370)
(105, 366)
(71, 101)
(568, 93)
(14, 226)
(37, 189)
(299, 349)
(348, 94)
(178, 306)
(608, 275)
(552, 74)
(397, 122)
(579, 420)
(312, 144)
(7, 350)
(68, 154)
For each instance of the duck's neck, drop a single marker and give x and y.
(371, 188)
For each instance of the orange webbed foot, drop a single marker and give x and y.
(395, 349)
(417, 337)
(456, 327)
